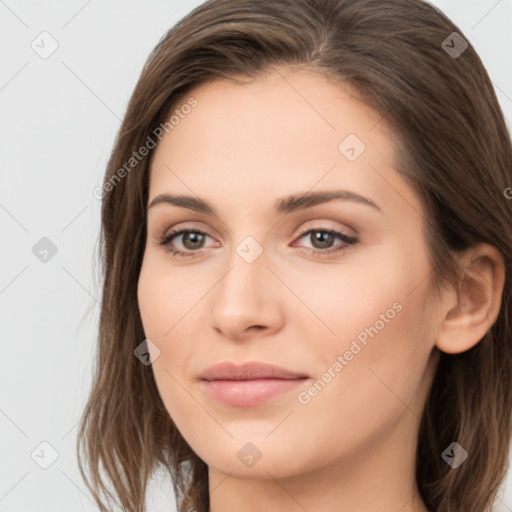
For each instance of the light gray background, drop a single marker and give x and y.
(58, 122)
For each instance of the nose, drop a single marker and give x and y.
(246, 301)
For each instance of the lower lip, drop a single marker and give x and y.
(246, 393)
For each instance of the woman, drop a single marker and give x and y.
(307, 248)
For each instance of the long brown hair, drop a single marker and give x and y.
(452, 145)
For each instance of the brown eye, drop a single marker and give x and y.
(322, 240)
(191, 241)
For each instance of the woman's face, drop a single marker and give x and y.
(335, 291)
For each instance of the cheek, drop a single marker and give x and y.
(384, 345)
(165, 314)
(161, 298)
(344, 302)
(379, 327)
(377, 383)
(161, 310)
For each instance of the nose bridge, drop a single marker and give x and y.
(242, 298)
(246, 269)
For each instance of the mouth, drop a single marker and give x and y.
(250, 384)
(248, 393)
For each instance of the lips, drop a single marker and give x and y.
(249, 371)
(249, 384)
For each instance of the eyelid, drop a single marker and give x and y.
(188, 226)
(319, 224)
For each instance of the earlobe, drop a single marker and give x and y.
(469, 315)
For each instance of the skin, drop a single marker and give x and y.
(352, 446)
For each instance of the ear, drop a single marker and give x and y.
(468, 316)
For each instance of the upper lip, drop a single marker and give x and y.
(248, 371)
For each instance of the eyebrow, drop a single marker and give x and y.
(282, 205)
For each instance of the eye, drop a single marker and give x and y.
(192, 240)
(322, 240)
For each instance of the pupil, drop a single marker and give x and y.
(194, 238)
(324, 238)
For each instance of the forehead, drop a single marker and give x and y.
(282, 132)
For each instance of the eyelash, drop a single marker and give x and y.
(165, 240)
